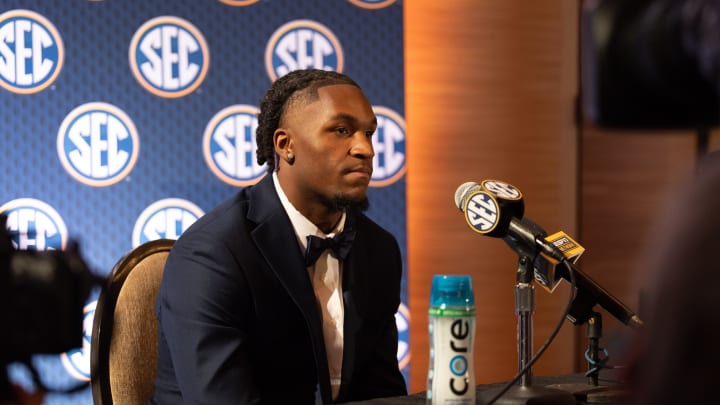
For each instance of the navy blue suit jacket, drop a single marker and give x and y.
(238, 319)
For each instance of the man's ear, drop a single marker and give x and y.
(283, 145)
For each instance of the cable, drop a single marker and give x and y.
(548, 341)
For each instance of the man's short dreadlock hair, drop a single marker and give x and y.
(298, 85)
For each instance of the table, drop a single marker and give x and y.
(607, 392)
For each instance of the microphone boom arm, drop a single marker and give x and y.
(588, 289)
(592, 293)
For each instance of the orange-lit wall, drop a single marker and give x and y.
(490, 87)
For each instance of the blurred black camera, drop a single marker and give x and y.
(42, 295)
(651, 64)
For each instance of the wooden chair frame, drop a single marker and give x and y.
(102, 329)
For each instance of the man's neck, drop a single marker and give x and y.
(324, 217)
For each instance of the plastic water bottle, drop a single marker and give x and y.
(451, 375)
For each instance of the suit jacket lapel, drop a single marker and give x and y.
(272, 235)
(352, 286)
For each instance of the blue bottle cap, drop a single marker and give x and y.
(451, 291)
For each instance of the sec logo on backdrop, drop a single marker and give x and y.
(389, 144)
(31, 52)
(167, 218)
(77, 361)
(302, 44)
(34, 225)
(229, 146)
(372, 4)
(97, 144)
(402, 321)
(169, 56)
(239, 3)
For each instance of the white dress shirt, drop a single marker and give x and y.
(326, 277)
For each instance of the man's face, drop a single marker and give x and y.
(331, 139)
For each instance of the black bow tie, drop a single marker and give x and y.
(339, 245)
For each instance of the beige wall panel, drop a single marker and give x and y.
(627, 179)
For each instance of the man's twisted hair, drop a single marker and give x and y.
(296, 86)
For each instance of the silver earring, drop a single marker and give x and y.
(291, 157)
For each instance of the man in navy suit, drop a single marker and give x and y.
(255, 306)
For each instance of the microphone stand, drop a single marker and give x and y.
(524, 392)
(582, 312)
(594, 333)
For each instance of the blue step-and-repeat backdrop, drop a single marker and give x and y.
(123, 121)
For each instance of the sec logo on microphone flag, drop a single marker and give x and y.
(482, 212)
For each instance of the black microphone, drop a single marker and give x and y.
(484, 215)
(510, 203)
(508, 196)
(543, 269)
(589, 291)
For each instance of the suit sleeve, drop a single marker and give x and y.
(381, 376)
(207, 342)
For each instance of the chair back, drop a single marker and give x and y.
(123, 350)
